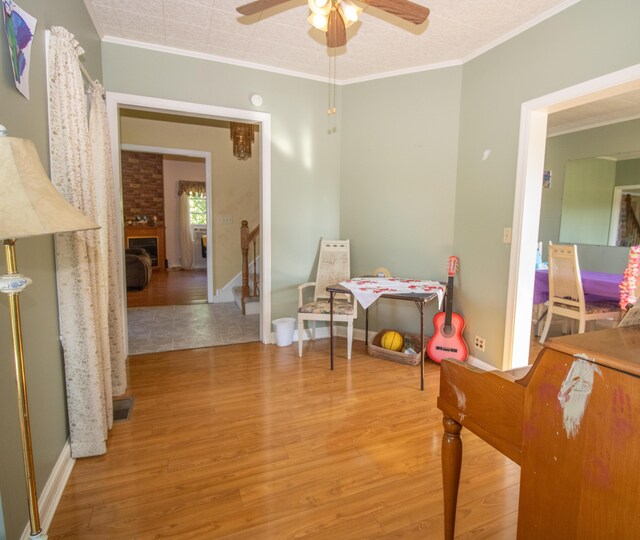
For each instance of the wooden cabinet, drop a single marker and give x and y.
(572, 423)
(151, 239)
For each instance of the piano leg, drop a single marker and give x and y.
(451, 462)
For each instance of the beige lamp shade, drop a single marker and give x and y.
(29, 203)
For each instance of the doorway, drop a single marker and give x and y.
(531, 153)
(117, 101)
(187, 164)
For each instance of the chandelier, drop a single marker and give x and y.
(242, 137)
(321, 10)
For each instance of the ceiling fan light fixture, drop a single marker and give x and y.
(320, 7)
(349, 12)
(321, 22)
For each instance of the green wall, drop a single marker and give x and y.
(398, 181)
(589, 39)
(408, 158)
(587, 200)
(402, 171)
(305, 149)
(35, 259)
(620, 138)
(628, 170)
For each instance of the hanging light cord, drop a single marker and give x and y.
(331, 110)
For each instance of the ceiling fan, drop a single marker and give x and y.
(335, 16)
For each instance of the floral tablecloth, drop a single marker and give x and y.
(367, 290)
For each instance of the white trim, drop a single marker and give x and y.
(520, 29)
(405, 71)
(210, 58)
(225, 293)
(166, 150)
(480, 364)
(526, 220)
(116, 100)
(341, 82)
(208, 186)
(526, 212)
(358, 335)
(50, 496)
(271, 69)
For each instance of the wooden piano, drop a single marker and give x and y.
(572, 423)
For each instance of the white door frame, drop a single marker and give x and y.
(208, 186)
(526, 213)
(115, 101)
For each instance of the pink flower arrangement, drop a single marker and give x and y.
(629, 284)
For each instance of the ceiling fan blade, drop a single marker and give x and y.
(336, 31)
(258, 6)
(409, 11)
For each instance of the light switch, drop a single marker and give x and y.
(226, 220)
(506, 235)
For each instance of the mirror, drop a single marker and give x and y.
(592, 169)
(601, 201)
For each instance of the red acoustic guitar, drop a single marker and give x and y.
(447, 340)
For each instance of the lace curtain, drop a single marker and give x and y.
(104, 183)
(186, 239)
(84, 279)
(186, 188)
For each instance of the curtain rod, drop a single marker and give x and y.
(90, 79)
(92, 82)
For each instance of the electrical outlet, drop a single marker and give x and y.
(480, 343)
(506, 235)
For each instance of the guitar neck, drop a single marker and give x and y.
(449, 303)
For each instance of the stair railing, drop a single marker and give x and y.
(248, 241)
(632, 225)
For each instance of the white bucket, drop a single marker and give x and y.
(284, 330)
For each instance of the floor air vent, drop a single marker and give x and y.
(122, 409)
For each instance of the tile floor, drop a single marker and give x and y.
(171, 328)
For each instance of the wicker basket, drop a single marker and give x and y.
(374, 348)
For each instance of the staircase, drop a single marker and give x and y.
(632, 225)
(248, 295)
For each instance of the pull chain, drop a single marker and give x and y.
(331, 110)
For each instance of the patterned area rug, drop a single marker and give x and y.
(171, 328)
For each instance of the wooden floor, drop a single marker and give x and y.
(171, 288)
(249, 441)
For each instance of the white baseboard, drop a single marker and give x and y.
(323, 332)
(223, 296)
(358, 335)
(480, 364)
(50, 497)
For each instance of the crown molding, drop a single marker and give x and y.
(520, 29)
(342, 82)
(210, 58)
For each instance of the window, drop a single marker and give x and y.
(198, 208)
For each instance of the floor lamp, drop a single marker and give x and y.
(29, 206)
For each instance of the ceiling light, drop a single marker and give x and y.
(349, 12)
(320, 7)
(321, 22)
(242, 137)
(320, 10)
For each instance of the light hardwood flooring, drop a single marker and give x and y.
(250, 441)
(171, 288)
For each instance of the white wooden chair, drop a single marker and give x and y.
(566, 295)
(333, 267)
